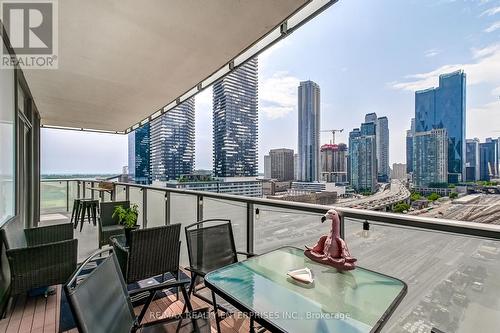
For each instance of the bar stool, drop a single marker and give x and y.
(75, 214)
(91, 207)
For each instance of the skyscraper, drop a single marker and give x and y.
(398, 171)
(488, 159)
(472, 157)
(309, 131)
(430, 162)
(334, 163)
(282, 164)
(356, 132)
(267, 167)
(139, 155)
(379, 126)
(383, 169)
(409, 147)
(363, 162)
(172, 142)
(444, 107)
(235, 120)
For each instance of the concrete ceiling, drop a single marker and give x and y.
(120, 61)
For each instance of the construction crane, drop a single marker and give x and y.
(333, 131)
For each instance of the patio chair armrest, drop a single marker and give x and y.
(49, 234)
(195, 271)
(164, 285)
(247, 254)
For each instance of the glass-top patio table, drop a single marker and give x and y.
(355, 301)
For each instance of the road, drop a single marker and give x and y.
(387, 195)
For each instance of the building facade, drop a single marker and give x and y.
(383, 169)
(245, 186)
(172, 142)
(363, 162)
(430, 163)
(444, 107)
(139, 155)
(235, 122)
(282, 164)
(399, 171)
(472, 158)
(334, 163)
(379, 126)
(488, 159)
(267, 167)
(409, 147)
(308, 131)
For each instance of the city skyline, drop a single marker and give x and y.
(388, 88)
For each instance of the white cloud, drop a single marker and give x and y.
(278, 95)
(431, 53)
(495, 26)
(485, 114)
(496, 92)
(484, 68)
(491, 11)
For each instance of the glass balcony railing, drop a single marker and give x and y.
(54, 196)
(452, 268)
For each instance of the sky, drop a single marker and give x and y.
(367, 56)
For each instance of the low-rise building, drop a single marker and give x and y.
(245, 186)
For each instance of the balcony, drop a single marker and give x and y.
(451, 267)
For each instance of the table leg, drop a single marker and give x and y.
(216, 312)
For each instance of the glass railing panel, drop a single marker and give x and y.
(73, 193)
(155, 208)
(229, 210)
(183, 211)
(88, 191)
(52, 196)
(277, 227)
(135, 196)
(121, 193)
(106, 196)
(453, 280)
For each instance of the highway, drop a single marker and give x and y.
(387, 195)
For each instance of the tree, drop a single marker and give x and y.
(401, 207)
(433, 196)
(453, 195)
(415, 196)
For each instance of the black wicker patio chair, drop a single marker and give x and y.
(39, 257)
(151, 252)
(210, 245)
(100, 303)
(108, 225)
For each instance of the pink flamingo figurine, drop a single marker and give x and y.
(331, 249)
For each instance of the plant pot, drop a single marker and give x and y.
(128, 230)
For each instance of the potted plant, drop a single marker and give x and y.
(128, 218)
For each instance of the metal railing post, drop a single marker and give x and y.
(92, 191)
(127, 193)
(67, 195)
(144, 207)
(167, 208)
(342, 226)
(83, 187)
(250, 227)
(78, 195)
(199, 208)
(113, 193)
